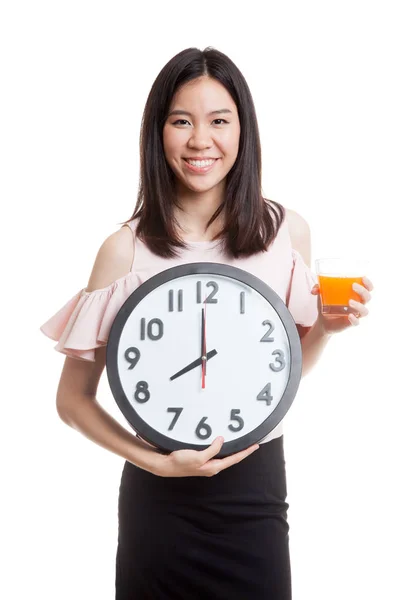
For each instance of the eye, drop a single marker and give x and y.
(183, 121)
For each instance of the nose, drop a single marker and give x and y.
(200, 139)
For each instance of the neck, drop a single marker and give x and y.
(193, 212)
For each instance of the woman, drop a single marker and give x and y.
(190, 525)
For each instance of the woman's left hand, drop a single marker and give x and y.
(332, 324)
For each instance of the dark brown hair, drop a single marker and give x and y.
(251, 222)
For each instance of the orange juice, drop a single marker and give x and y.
(336, 293)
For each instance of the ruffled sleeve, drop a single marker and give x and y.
(84, 322)
(301, 303)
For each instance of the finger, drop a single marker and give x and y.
(363, 310)
(368, 283)
(353, 320)
(315, 289)
(218, 465)
(233, 459)
(364, 293)
(212, 450)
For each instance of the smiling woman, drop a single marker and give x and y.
(190, 525)
(181, 532)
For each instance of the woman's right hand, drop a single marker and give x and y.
(198, 463)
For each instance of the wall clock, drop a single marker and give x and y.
(201, 350)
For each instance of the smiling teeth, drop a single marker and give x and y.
(201, 163)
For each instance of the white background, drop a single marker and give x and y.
(74, 78)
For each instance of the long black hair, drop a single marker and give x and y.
(251, 221)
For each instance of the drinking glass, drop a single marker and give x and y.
(336, 277)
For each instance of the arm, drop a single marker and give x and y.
(312, 345)
(76, 395)
(78, 407)
(315, 338)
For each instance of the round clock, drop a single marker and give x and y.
(201, 350)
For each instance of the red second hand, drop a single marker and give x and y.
(203, 365)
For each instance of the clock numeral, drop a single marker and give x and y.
(171, 300)
(242, 305)
(202, 426)
(280, 359)
(155, 329)
(266, 337)
(132, 360)
(210, 298)
(142, 393)
(265, 394)
(234, 417)
(177, 412)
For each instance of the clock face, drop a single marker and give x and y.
(202, 350)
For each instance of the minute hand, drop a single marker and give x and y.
(194, 364)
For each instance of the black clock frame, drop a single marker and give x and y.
(164, 443)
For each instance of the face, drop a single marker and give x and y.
(202, 125)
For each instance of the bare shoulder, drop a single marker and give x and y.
(300, 234)
(114, 259)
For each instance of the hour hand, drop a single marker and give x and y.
(194, 364)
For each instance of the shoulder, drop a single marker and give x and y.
(113, 260)
(300, 234)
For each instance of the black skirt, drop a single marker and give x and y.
(206, 538)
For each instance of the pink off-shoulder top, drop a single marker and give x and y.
(84, 322)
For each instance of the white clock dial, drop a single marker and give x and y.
(235, 376)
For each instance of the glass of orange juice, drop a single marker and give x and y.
(336, 277)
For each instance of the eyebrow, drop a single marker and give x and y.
(221, 111)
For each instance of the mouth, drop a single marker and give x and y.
(200, 166)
